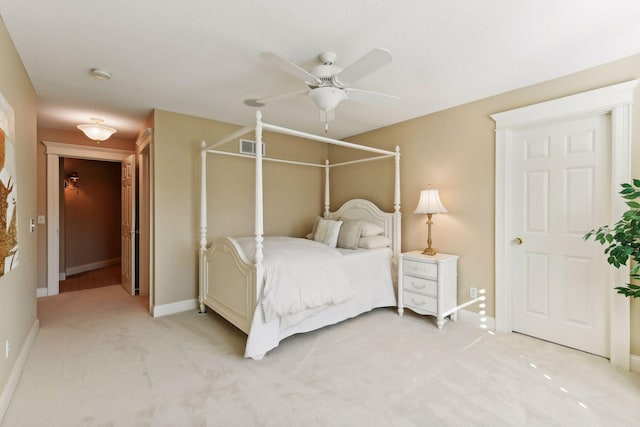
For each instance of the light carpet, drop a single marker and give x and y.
(101, 360)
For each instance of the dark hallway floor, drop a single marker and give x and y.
(91, 279)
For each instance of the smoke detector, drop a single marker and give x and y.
(101, 74)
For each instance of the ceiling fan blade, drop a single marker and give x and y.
(367, 64)
(370, 97)
(290, 67)
(261, 102)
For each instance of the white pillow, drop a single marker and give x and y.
(373, 242)
(369, 229)
(313, 231)
(349, 233)
(327, 232)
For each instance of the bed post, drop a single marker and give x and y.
(327, 193)
(396, 206)
(259, 208)
(203, 224)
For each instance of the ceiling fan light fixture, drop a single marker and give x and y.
(328, 84)
(96, 130)
(326, 98)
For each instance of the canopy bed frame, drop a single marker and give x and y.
(231, 280)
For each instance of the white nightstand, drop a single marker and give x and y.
(428, 284)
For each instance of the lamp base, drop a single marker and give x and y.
(429, 251)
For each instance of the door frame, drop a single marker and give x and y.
(615, 100)
(129, 167)
(55, 150)
(144, 150)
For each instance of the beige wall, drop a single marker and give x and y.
(454, 151)
(92, 213)
(293, 196)
(67, 137)
(18, 287)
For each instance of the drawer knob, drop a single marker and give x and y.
(418, 285)
(419, 303)
(517, 241)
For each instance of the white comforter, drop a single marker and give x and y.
(299, 275)
(369, 274)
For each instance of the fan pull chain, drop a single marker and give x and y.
(326, 118)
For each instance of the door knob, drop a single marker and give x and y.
(517, 241)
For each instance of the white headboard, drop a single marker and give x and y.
(366, 210)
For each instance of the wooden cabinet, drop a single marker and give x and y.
(428, 284)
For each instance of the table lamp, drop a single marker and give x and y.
(429, 204)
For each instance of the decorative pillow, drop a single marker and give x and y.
(327, 232)
(313, 231)
(369, 229)
(350, 233)
(373, 242)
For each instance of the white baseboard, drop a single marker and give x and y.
(62, 276)
(92, 266)
(471, 316)
(160, 310)
(42, 292)
(634, 363)
(12, 382)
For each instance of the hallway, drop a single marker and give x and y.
(92, 279)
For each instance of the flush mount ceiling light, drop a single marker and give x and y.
(96, 130)
(101, 74)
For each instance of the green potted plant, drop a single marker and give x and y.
(622, 241)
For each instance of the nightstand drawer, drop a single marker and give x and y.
(420, 302)
(424, 269)
(422, 286)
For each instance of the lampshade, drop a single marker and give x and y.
(326, 98)
(430, 202)
(96, 130)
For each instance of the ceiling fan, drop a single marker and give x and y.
(328, 84)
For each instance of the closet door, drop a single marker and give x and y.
(561, 191)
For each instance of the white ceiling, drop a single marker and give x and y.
(200, 57)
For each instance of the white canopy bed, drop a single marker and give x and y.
(274, 287)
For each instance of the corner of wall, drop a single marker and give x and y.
(634, 363)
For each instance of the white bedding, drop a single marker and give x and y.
(299, 275)
(369, 273)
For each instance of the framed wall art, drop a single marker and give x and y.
(8, 190)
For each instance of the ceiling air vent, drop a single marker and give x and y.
(249, 147)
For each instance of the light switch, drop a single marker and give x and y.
(40, 219)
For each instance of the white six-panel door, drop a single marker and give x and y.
(561, 190)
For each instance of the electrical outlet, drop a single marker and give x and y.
(473, 292)
(7, 348)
